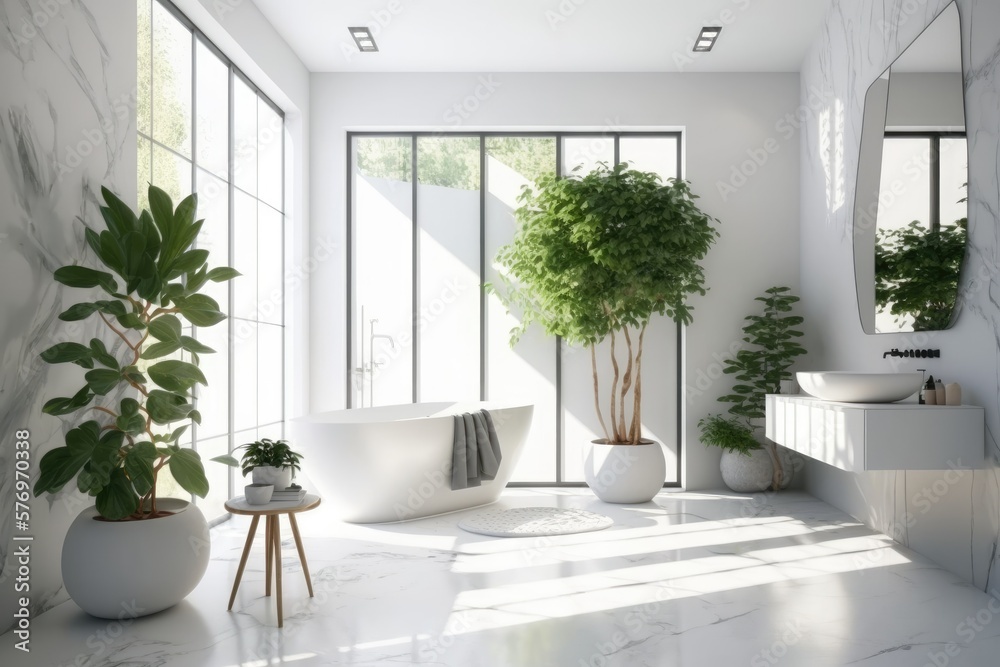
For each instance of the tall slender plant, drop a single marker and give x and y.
(155, 279)
(595, 257)
(759, 368)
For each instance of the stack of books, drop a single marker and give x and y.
(291, 494)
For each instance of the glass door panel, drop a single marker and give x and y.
(382, 228)
(448, 269)
(526, 373)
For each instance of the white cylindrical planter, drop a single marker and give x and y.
(126, 569)
(281, 478)
(625, 473)
(747, 474)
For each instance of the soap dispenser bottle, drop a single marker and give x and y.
(929, 392)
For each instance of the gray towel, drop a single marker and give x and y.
(488, 464)
(459, 474)
(471, 451)
(492, 434)
(476, 450)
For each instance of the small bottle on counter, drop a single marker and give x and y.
(953, 394)
(939, 390)
(929, 392)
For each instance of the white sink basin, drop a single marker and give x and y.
(846, 387)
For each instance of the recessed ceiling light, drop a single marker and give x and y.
(706, 39)
(363, 38)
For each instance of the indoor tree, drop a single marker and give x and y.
(595, 257)
(759, 367)
(154, 279)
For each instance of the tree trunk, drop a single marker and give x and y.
(779, 471)
(597, 403)
(635, 432)
(614, 392)
(626, 383)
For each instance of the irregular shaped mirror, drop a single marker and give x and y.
(910, 214)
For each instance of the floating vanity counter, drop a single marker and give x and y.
(878, 436)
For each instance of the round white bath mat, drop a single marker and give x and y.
(534, 521)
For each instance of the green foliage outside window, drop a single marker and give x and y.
(452, 162)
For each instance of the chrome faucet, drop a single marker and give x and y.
(372, 364)
(392, 342)
(894, 352)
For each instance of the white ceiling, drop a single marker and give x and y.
(548, 35)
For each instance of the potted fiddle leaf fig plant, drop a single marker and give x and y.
(133, 408)
(595, 257)
(271, 461)
(751, 462)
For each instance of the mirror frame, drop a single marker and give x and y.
(869, 170)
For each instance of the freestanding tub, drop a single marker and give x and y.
(393, 463)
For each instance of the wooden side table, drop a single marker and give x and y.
(272, 540)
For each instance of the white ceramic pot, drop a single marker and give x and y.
(625, 473)
(281, 478)
(747, 474)
(126, 569)
(258, 494)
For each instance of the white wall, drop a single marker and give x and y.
(67, 127)
(948, 517)
(727, 120)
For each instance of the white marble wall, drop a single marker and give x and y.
(67, 126)
(952, 518)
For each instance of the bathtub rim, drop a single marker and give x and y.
(370, 415)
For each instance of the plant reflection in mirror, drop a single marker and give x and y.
(917, 272)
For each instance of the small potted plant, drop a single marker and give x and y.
(745, 465)
(272, 462)
(595, 257)
(749, 461)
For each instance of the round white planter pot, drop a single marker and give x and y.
(747, 474)
(126, 569)
(281, 478)
(625, 473)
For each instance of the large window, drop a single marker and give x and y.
(428, 213)
(204, 127)
(927, 173)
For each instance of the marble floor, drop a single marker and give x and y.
(695, 579)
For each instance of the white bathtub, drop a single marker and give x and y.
(393, 463)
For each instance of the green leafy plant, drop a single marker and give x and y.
(264, 452)
(732, 434)
(596, 256)
(917, 272)
(155, 279)
(759, 368)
